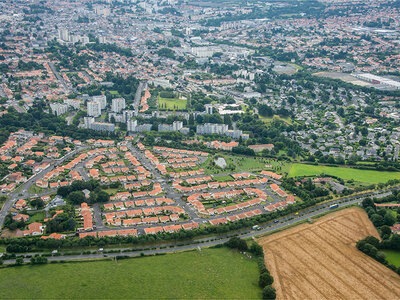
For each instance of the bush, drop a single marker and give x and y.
(265, 279)
(268, 293)
(256, 249)
(237, 243)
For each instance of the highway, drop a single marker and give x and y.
(212, 241)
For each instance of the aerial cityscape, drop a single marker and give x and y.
(183, 149)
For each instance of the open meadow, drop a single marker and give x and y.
(368, 176)
(211, 273)
(321, 261)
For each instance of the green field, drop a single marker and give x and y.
(258, 163)
(37, 217)
(368, 176)
(210, 274)
(268, 120)
(393, 257)
(172, 104)
(33, 189)
(223, 178)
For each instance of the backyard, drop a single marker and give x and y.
(211, 273)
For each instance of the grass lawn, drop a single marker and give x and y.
(37, 217)
(33, 189)
(277, 166)
(268, 120)
(223, 178)
(210, 274)
(112, 191)
(172, 104)
(368, 176)
(249, 163)
(393, 257)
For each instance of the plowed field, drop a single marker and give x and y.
(320, 260)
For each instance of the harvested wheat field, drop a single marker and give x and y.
(320, 260)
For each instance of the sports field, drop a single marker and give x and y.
(210, 274)
(368, 176)
(321, 261)
(172, 104)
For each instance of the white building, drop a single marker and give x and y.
(88, 121)
(93, 109)
(58, 109)
(63, 34)
(75, 103)
(101, 99)
(211, 128)
(132, 126)
(117, 104)
(102, 126)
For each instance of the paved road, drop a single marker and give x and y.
(136, 102)
(23, 192)
(207, 242)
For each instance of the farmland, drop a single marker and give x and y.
(172, 103)
(211, 273)
(320, 260)
(368, 176)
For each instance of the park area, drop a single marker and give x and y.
(218, 273)
(367, 176)
(172, 103)
(321, 261)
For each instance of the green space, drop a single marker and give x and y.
(393, 257)
(37, 217)
(208, 274)
(268, 120)
(250, 163)
(112, 191)
(369, 176)
(33, 189)
(223, 178)
(277, 166)
(172, 103)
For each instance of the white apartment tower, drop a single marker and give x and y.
(117, 104)
(101, 99)
(93, 109)
(63, 34)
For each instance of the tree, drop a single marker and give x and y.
(265, 279)
(76, 197)
(19, 260)
(377, 220)
(38, 260)
(256, 249)
(389, 219)
(237, 243)
(265, 110)
(372, 240)
(38, 203)
(268, 293)
(367, 202)
(385, 230)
